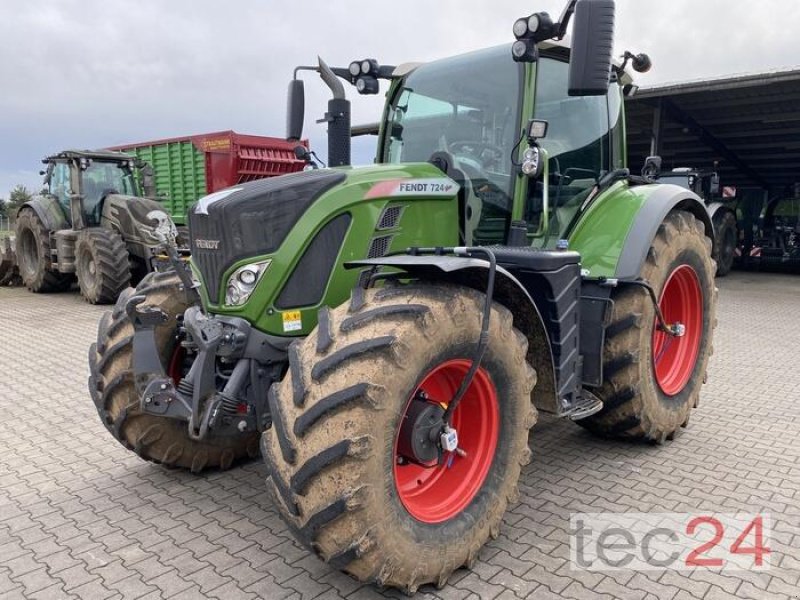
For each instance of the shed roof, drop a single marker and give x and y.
(746, 126)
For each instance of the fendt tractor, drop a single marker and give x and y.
(389, 332)
(90, 223)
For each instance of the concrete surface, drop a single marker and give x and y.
(82, 517)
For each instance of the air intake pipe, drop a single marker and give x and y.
(337, 117)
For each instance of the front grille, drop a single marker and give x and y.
(379, 246)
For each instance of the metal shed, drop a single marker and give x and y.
(746, 127)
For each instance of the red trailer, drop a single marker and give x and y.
(187, 168)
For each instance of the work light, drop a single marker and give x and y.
(524, 51)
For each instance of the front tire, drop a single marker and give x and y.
(652, 381)
(111, 384)
(101, 264)
(335, 452)
(33, 255)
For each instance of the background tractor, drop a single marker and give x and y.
(722, 210)
(90, 223)
(388, 333)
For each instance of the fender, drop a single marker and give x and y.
(663, 199)
(713, 208)
(49, 211)
(508, 291)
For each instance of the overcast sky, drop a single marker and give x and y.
(96, 73)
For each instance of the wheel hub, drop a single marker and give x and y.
(420, 431)
(438, 469)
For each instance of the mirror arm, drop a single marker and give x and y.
(563, 21)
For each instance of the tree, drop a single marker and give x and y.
(18, 196)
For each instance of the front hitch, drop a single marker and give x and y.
(196, 399)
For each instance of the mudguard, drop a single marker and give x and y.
(614, 233)
(508, 291)
(49, 211)
(713, 208)
(663, 199)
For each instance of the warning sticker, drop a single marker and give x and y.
(292, 320)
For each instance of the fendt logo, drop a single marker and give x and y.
(207, 244)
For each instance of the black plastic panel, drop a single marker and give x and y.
(553, 280)
(309, 278)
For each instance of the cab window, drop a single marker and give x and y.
(578, 145)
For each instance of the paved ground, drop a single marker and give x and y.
(80, 516)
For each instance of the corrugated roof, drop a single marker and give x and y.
(746, 126)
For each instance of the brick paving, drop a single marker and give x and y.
(82, 517)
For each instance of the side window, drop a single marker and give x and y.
(59, 183)
(578, 143)
(577, 137)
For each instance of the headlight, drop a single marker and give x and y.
(243, 281)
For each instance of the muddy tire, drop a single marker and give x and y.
(111, 385)
(652, 381)
(33, 255)
(725, 241)
(101, 265)
(334, 451)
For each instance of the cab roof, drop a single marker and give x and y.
(106, 155)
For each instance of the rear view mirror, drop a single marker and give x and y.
(592, 45)
(295, 110)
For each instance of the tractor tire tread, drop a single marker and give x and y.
(331, 416)
(112, 267)
(112, 385)
(44, 278)
(631, 406)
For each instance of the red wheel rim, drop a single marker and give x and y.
(674, 358)
(437, 493)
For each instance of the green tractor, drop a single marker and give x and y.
(387, 334)
(90, 223)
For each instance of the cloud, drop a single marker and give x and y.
(94, 73)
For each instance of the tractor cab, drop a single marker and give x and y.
(81, 180)
(470, 115)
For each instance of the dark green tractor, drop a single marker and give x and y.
(92, 224)
(386, 334)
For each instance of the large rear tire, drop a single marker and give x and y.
(111, 384)
(725, 241)
(335, 452)
(102, 265)
(652, 381)
(33, 255)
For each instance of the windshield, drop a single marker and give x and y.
(468, 107)
(103, 178)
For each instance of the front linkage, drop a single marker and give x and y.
(222, 393)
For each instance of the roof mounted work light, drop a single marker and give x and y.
(536, 27)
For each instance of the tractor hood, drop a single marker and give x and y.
(262, 218)
(138, 219)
